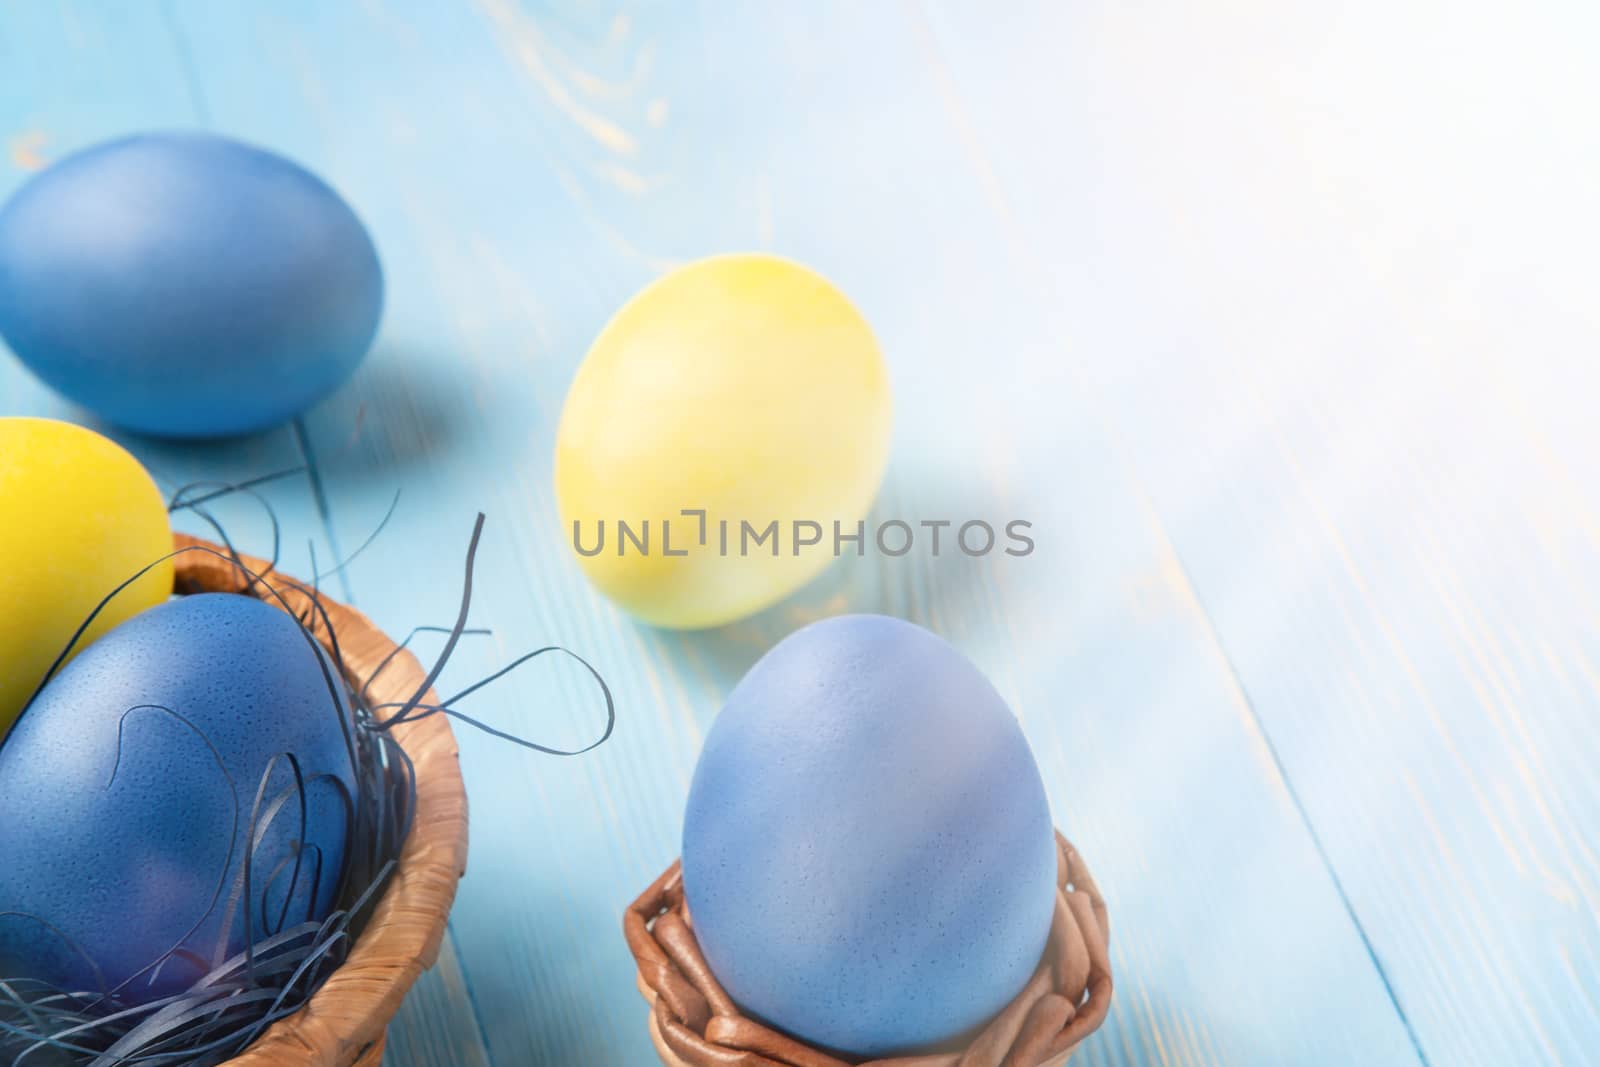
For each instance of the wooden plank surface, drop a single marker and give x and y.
(492, 178)
(1307, 647)
(1340, 320)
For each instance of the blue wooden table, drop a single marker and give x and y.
(1277, 321)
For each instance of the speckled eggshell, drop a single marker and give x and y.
(186, 285)
(126, 860)
(868, 853)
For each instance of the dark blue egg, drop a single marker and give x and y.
(186, 285)
(868, 855)
(129, 787)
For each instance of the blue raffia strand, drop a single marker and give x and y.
(243, 994)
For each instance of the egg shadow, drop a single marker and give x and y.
(941, 591)
(172, 461)
(407, 410)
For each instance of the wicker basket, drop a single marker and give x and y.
(344, 1022)
(693, 1023)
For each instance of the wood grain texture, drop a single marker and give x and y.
(1276, 321)
(484, 144)
(1340, 256)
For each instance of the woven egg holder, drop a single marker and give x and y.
(694, 1023)
(343, 1024)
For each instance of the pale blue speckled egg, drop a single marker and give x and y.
(127, 789)
(868, 854)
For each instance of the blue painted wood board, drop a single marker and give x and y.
(1275, 321)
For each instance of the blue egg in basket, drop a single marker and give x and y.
(129, 788)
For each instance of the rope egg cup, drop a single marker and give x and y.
(694, 1023)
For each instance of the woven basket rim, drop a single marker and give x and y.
(344, 1021)
(694, 1023)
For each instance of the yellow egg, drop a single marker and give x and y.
(78, 516)
(743, 386)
